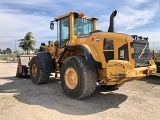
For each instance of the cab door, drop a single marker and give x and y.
(64, 30)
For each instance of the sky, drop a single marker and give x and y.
(134, 17)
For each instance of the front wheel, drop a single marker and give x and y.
(77, 79)
(37, 73)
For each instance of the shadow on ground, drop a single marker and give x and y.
(52, 97)
(152, 80)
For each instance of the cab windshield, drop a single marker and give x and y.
(83, 26)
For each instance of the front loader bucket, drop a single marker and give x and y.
(23, 65)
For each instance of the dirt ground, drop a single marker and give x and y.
(20, 99)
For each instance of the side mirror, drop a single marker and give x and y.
(52, 25)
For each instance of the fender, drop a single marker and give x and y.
(46, 61)
(91, 62)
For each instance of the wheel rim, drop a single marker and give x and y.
(34, 70)
(71, 78)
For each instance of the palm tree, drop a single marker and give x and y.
(27, 44)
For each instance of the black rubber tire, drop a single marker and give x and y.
(87, 78)
(42, 76)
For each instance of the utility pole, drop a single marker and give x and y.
(15, 45)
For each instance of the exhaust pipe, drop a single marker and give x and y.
(111, 25)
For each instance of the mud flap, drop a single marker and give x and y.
(91, 62)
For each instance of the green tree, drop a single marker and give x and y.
(36, 50)
(16, 52)
(8, 51)
(27, 44)
(4, 52)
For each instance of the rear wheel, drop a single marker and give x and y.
(37, 73)
(77, 79)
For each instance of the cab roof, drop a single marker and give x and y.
(75, 13)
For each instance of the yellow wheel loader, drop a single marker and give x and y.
(86, 56)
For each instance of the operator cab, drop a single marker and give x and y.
(73, 25)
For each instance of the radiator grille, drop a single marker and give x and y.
(141, 53)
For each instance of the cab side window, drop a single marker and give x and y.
(64, 31)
